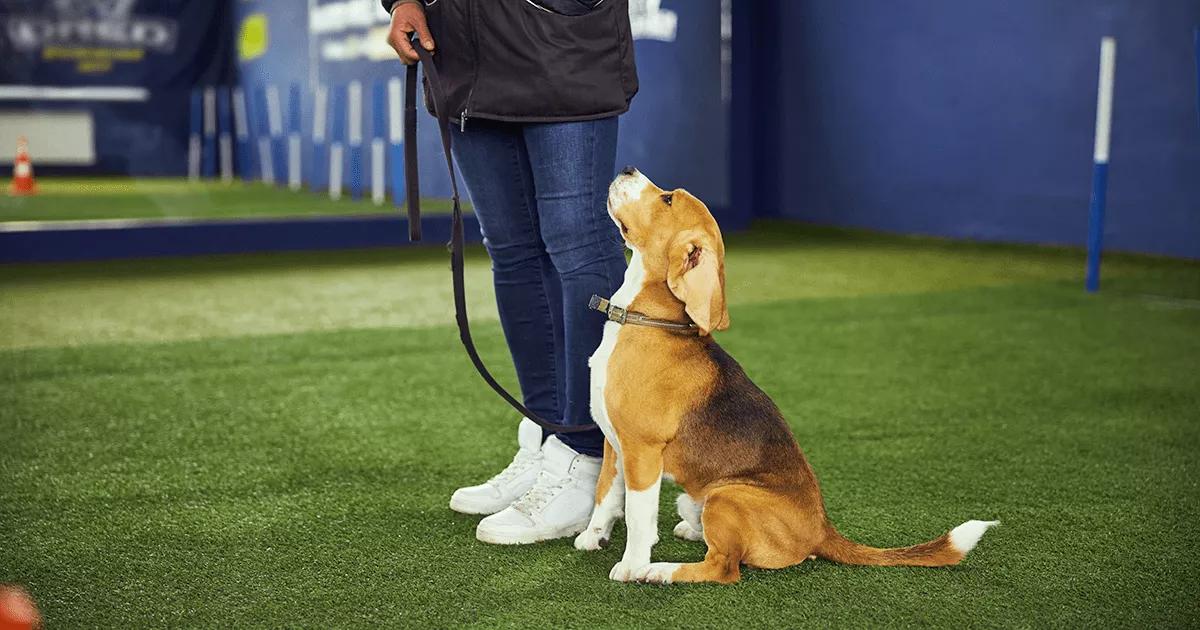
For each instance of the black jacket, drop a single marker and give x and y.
(517, 60)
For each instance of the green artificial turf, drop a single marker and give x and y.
(271, 441)
(70, 199)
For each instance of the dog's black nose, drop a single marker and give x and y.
(628, 170)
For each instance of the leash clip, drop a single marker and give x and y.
(612, 311)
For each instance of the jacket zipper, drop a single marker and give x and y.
(462, 119)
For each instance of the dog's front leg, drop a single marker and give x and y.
(610, 497)
(643, 479)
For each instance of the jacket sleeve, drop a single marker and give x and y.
(389, 4)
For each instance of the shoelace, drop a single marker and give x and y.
(517, 466)
(544, 488)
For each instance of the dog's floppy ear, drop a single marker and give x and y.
(697, 277)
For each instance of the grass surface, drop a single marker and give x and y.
(65, 199)
(271, 441)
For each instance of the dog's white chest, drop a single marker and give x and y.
(635, 276)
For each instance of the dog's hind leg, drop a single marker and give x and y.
(749, 525)
(723, 527)
(690, 527)
(610, 497)
(716, 567)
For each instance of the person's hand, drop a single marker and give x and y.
(408, 17)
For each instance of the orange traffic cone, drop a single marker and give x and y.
(22, 182)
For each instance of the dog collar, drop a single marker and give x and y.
(625, 316)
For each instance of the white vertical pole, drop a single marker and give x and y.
(335, 171)
(354, 94)
(274, 111)
(1104, 108)
(266, 161)
(378, 191)
(274, 131)
(320, 108)
(395, 111)
(210, 111)
(294, 161)
(194, 157)
(241, 127)
(196, 125)
(319, 153)
(208, 152)
(226, 157)
(222, 117)
(396, 137)
(354, 136)
(1104, 99)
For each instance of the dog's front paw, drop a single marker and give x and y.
(591, 539)
(624, 571)
(656, 572)
(687, 532)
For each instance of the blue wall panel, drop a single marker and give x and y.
(975, 119)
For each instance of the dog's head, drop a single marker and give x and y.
(678, 241)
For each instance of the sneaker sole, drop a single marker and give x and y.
(464, 507)
(529, 537)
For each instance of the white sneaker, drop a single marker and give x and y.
(512, 482)
(559, 504)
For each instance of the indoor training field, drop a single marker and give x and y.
(270, 440)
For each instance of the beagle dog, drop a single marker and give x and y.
(672, 403)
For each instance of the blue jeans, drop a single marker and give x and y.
(540, 194)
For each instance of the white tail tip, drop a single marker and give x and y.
(966, 536)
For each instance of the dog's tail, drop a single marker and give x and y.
(949, 548)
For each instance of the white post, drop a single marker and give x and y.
(1104, 99)
(226, 157)
(209, 107)
(266, 161)
(395, 111)
(274, 111)
(274, 130)
(320, 107)
(378, 191)
(354, 98)
(1104, 108)
(210, 111)
(194, 157)
(294, 161)
(241, 127)
(335, 171)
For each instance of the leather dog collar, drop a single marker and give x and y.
(625, 316)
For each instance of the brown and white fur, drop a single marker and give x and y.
(677, 405)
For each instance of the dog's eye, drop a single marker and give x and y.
(668, 198)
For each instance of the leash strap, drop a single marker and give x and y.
(456, 225)
(411, 183)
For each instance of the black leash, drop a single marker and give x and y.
(456, 244)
